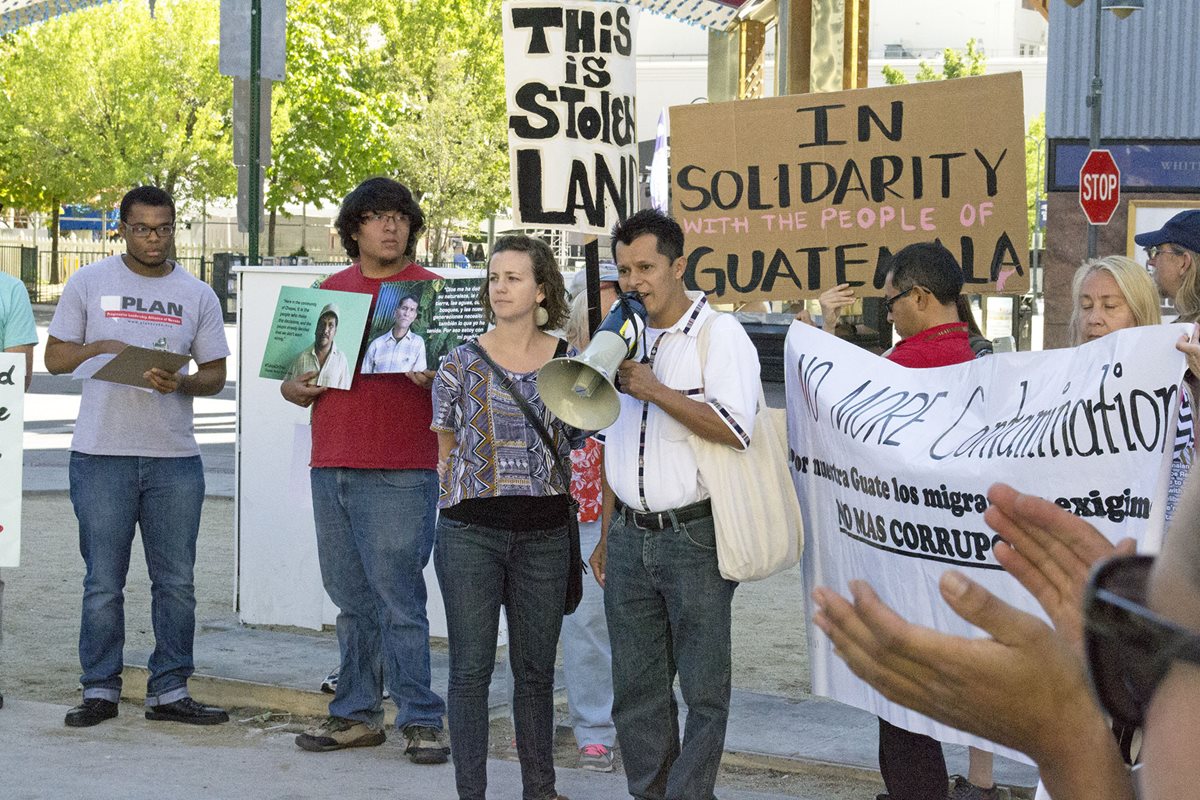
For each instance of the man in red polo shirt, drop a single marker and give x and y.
(374, 491)
(921, 295)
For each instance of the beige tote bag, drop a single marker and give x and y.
(757, 513)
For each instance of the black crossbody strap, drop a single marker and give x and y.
(563, 474)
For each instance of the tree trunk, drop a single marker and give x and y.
(54, 277)
(271, 233)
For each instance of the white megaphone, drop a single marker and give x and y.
(579, 390)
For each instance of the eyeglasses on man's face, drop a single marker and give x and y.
(139, 231)
(889, 302)
(1153, 251)
(1129, 648)
(375, 218)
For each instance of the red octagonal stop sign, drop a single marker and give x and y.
(1099, 186)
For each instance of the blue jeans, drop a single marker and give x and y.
(587, 659)
(668, 611)
(162, 497)
(374, 537)
(479, 569)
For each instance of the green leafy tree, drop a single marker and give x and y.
(893, 76)
(451, 141)
(412, 89)
(136, 100)
(962, 65)
(955, 64)
(331, 116)
(1035, 140)
(46, 158)
(455, 157)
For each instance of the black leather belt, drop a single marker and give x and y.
(658, 520)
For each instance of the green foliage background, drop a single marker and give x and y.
(99, 100)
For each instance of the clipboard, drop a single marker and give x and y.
(129, 365)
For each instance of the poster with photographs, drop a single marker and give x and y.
(416, 323)
(316, 330)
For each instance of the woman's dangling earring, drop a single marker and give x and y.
(541, 317)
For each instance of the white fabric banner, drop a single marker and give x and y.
(12, 435)
(570, 73)
(892, 467)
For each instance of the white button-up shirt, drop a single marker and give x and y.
(389, 354)
(648, 460)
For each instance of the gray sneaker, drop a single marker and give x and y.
(338, 733)
(596, 758)
(426, 745)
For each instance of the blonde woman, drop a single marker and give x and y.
(1111, 294)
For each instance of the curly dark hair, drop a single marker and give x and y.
(378, 195)
(545, 272)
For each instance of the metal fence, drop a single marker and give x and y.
(30, 262)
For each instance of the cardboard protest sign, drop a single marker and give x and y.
(316, 330)
(570, 78)
(892, 467)
(416, 323)
(783, 198)
(12, 435)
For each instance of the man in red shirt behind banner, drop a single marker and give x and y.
(374, 491)
(921, 295)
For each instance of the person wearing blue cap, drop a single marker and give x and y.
(1174, 257)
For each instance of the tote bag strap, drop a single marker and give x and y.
(702, 351)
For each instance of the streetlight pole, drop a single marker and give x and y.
(1093, 102)
(1122, 8)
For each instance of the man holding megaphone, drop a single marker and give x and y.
(667, 605)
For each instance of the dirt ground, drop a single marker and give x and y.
(42, 597)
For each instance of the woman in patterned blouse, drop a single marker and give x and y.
(502, 527)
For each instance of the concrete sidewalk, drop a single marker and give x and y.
(129, 758)
(241, 666)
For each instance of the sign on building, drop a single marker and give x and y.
(1099, 187)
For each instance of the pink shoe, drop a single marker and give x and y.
(596, 758)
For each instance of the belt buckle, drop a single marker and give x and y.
(646, 520)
